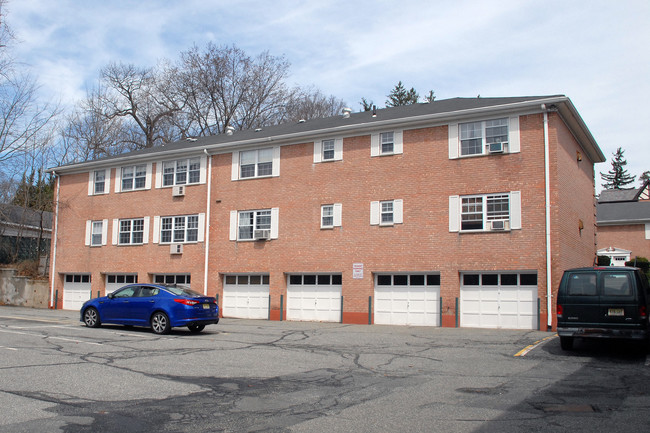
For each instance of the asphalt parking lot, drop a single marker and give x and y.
(243, 375)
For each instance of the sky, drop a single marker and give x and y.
(595, 52)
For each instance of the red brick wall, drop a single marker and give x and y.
(629, 237)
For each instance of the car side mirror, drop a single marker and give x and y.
(111, 296)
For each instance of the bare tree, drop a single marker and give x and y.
(309, 104)
(143, 95)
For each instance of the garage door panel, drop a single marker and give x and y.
(313, 302)
(245, 301)
(498, 306)
(416, 305)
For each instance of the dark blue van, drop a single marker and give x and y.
(602, 302)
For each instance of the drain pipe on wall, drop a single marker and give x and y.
(207, 224)
(547, 187)
(56, 230)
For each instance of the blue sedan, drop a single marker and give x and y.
(159, 306)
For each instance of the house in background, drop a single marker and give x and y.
(623, 219)
(22, 232)
(460, 212)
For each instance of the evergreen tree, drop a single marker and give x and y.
(644, 177)
(400, 96)
(367, 106)
(617, 177)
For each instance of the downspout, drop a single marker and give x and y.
(207, 225)
(547, 190)
(56, 230)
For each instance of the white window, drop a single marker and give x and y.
(131, 231)
(134, 177)
(386, 143)
(487, 212)
(179, 229)
(182, 172)
(250, 164)
(96, 232)
(254, 224)
(330, 149)
(98, 182)
(330, 215)
(483, 137)
(387, 212)
(256, 163)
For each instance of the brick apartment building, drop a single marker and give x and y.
(460, 212)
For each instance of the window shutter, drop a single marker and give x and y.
(118, 180)
(338, 149)
(91, 182)
(204, 169)
(276, 161)
(374, 144)
(453, 140)
(647, 230)
(235, 166)
(513, 135)
(145, 234)
(338, 211)
(515, 210)
(159, 173)
(107, 174)
(147, 182)
(374, 213)
(398, 145)
(234, 226)
(398, 211)
(104, 231)
(317, 150)
(89, 225)
(454, 213)
(116, 228)
(274, 222)
(156, 229)
(201, 235)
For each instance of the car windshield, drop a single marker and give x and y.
(183, 291)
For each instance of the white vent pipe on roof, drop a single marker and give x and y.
(229, 130)
(346, 112)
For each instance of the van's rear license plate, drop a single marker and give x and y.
(616, 312)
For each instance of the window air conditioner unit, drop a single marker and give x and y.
(497, 147)
(176, 249)
(500, 225)
(178, 191)
(262, 234)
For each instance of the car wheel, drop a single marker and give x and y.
(196, 328)
(91, 318)
(160, 323)
(566, 343)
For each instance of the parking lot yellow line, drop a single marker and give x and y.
(527, 349)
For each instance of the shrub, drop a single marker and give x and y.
(604, 260)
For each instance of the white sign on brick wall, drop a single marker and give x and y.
(357, 271)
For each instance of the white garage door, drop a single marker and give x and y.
(246, 296)
(76, 291)
(407, 299)
(114, 282)
(503, 300)
(314, 297)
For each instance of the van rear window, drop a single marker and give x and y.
(582, 284)
(616, 284)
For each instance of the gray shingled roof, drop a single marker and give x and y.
(618, 195)
(444, 106)
(622, 213)
(24, 216)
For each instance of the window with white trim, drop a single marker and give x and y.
(181, 172)
(134, 177)
(99, 182)
(131, 231)
(487, 136)
(328, 150)
(179, 229)
(252, 221)
(482, 212)
(256, 163)
(330, 215)
(387, 142)
(97, 235)
(386, 213)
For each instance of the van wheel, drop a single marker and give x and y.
(566, 343)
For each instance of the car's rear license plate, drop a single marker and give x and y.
(206, 306)
(616, 312)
